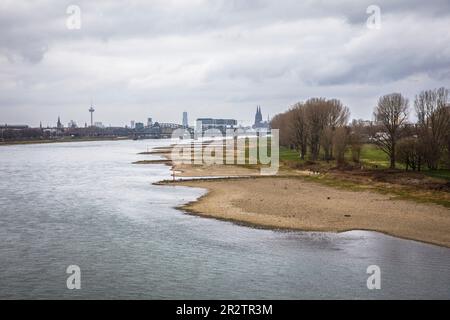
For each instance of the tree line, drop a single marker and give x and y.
(319, 129)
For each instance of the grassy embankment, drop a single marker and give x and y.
(426, 186)
(371, 158)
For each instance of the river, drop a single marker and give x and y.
(85, 204)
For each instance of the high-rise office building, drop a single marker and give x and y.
(185, 119)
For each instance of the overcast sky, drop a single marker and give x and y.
(218, 58)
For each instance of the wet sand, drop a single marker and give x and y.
(293, 203)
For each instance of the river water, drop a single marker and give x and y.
(85, 204)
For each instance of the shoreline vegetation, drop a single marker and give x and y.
(305, 197)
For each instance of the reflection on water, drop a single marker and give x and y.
(86, 204)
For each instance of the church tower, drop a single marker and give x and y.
(258, 116)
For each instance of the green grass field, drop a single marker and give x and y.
(371, 157)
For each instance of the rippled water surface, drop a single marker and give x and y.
(86, 204)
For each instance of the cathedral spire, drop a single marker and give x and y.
(258, 117)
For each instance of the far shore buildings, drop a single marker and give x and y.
(137, 129)
(72, 124)
(203, 124)
(13, 126)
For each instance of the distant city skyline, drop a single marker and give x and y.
(220, 59)
(130, 123)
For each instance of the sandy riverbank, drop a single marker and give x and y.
(190, 170)
(293, 203)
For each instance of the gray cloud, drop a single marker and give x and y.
(218, 57)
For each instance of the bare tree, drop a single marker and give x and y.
(299, 129)
(409, 153)
(447, 137)
(356, 139)
(337, 116)
(281, 122)
(311, 125)
(316, 115)
(433, 123)
(327, 141)
(340, 144)
(391, 113)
